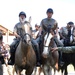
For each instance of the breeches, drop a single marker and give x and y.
(35, 43)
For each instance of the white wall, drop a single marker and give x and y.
(10, 39)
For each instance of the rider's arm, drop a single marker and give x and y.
(40, 30)
(16, 35)
(15, 32)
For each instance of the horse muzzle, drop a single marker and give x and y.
(45, 55)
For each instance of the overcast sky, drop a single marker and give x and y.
(9, 10)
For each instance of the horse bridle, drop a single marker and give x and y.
(28, 35)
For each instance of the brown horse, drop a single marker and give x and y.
(25, 57)
(49, 58)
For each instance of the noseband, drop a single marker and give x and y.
(25, 35)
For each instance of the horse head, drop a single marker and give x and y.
(46, 47)
(26, 37)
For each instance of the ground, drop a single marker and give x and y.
(9, 69)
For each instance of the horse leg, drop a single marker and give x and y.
(66, 73)
(54, 71)
(37, 70)
(40, 70)
(56, 57)
(29, 70)
(1, 69)
(61, 71)
(47, 70)
(50, 71)
(6, 61)
(18, 70)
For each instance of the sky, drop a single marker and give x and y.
(9, 10)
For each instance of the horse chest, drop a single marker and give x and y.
(24, 61)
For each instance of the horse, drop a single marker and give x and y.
(25, 57)
(68, 58)
(49, 59)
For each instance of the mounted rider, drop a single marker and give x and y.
(18, 31)
(66, 34)
(35, 42)
(50, 23)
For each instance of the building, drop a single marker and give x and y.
(6, 33)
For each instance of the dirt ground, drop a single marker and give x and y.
(9, 71)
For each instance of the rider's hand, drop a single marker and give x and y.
(18, 36)
(54, 49)
(2, 54)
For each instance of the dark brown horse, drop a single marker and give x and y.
(49, 58)
(25, 57)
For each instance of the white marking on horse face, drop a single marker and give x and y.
(28, 38)
(27, 30)
(46, 51)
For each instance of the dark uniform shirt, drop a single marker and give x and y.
(45, 22)
(19, 28)
(64, 31)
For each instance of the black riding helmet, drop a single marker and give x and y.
(70, 23)
(22, 13)
(50, 10)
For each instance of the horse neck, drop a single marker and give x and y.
(52, 43)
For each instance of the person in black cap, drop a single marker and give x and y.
(66, 32)
(48, 23)
(18, 31)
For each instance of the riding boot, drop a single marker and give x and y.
(38, 56)
(12, 58)
(13, 47)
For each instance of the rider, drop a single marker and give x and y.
(65, 33)
(18, 31)
(49, 21)
(3, 49)
(54, 25)
(35, 32)
(35, 42)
